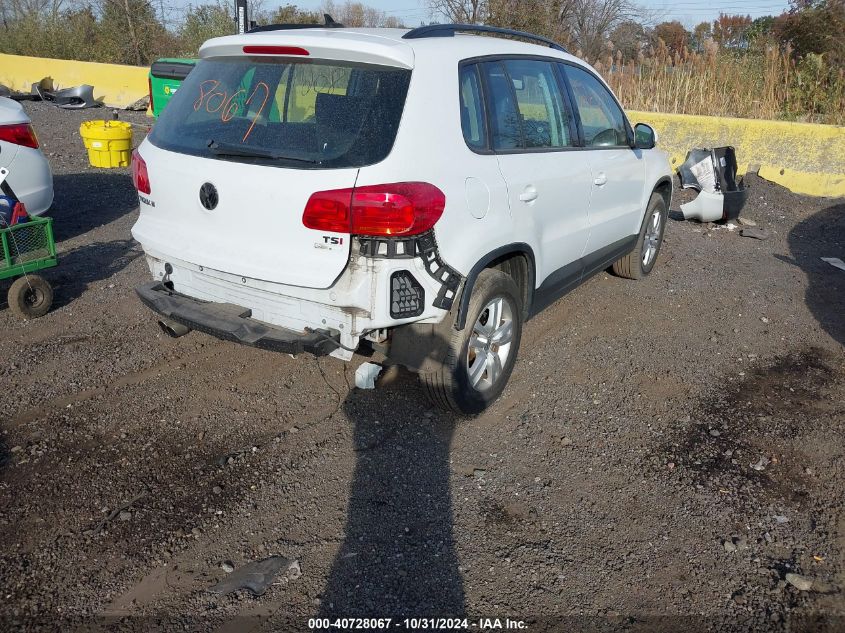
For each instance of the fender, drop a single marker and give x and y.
(508, 249)
(665, 180)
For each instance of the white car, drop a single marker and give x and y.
(29, 179)
(423, 192)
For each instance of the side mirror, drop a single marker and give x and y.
(645, 136)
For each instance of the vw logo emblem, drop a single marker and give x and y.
(208, 196)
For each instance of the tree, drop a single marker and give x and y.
(131, 32)
(204, 22)
(534, 16)
(673, 34)
(761, 27)
(291, 14)
(814, 26)
(460, 11)
(587, 24)
(354, 14)
(629, 38)
(702, 32)
(730, 30)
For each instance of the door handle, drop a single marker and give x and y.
(601, 179)
(529, 194)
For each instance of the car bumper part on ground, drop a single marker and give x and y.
(233, 323)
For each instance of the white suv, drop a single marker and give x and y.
(424, 192)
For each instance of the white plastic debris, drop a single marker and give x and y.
(706, 207)
(835, 262)
(366, 374)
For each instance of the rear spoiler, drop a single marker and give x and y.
(322, 44)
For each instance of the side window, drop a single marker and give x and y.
(472, 110)
(308, 82)
(501, 106)
(542, 114)
(601, 118)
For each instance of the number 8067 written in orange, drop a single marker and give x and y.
(218, 100)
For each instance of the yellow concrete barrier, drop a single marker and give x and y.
(803, 157)
(115, 85)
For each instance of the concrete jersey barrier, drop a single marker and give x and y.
(806, 158)
(115, 85)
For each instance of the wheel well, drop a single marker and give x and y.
(516, 260)
(664, 188)
(518, 267)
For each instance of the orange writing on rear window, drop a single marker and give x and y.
(215, 100)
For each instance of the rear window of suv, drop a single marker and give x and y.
(292, 113)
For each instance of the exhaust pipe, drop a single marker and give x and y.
(172, 328)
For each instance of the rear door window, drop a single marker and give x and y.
(540, 103)
(602, 120)
(294, 113)
(526, 106)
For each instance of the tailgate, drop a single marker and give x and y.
(260, 134)
(256, 228)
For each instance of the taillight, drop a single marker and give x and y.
(275, 50)
(140, 178)
(399, 208)
(19, 134)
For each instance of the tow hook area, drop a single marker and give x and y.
(172, 328)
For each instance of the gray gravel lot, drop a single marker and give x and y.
(667, 452)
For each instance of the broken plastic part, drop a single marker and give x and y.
(714, 174)
(74, 98)
(707, 207)
(366, 374)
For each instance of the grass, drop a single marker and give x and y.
(760, 84)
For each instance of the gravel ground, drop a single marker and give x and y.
(668, 453)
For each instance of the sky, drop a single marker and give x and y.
(689, 12)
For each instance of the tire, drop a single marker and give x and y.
(634, 265)
(461, 385)
(30, 296)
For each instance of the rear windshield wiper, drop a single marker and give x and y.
(230, 149)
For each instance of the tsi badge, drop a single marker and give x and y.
(329, 242)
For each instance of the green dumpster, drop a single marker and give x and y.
(166, 76)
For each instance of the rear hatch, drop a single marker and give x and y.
(246, 141)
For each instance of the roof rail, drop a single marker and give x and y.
(329, 24)
(449, 30)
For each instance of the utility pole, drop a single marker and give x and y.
(241, 16)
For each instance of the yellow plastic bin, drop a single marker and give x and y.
(109, 143)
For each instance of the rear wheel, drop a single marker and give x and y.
(639, 262)
(30, 296)
(480, 357)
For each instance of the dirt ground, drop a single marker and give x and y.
(666, 453)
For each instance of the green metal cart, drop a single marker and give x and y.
(25, 248)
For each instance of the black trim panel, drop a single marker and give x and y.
(605, 256)
(171, 70)
(556, 285)
(562, 281)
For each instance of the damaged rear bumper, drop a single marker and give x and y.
(233, 323)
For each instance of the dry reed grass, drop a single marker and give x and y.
(762, 84)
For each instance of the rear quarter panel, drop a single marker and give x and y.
(430, 147)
